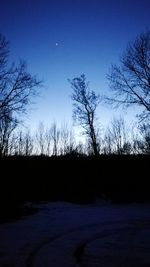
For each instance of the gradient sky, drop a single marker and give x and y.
(61, 39)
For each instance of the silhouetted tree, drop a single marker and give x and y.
(118, 134)
(12, 144)
(71, 143)
(142, 142)
(55, 132)
(66, 139)
(28, 144)
(21, 144)
(85, 103)
(107, 142)
(48, 139)
(127, 148)
(40, 138)
(131, 80)
(6, 128)
(17, 86)
(116, 138)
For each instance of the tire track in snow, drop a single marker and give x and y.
(130, 234)
(32, 255)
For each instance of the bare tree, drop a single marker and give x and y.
(67, 139)
(13, 140)
(28, 144)
(17, 86)
(64, 138)
(6, 128)
(118, 134)
(107, 142)
(48, 139)
(55, 132)
(142, 142)
(20, 143)
(130, 81)
(40, 138)
(116, 139)
(71, 143)
(85, 103)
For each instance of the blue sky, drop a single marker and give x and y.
(90, 36)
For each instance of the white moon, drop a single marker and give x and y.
(56, 44)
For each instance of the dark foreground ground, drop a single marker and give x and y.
(75, 211)
(62, 234)
(118, 179)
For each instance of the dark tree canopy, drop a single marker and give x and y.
(85, 102)
(130, 81)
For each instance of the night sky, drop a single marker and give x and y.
(60, 39)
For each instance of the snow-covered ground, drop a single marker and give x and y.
(68, 235)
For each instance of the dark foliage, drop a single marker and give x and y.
(120, 179)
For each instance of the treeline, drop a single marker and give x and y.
(117, 139)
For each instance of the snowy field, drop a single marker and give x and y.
(69, 235)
